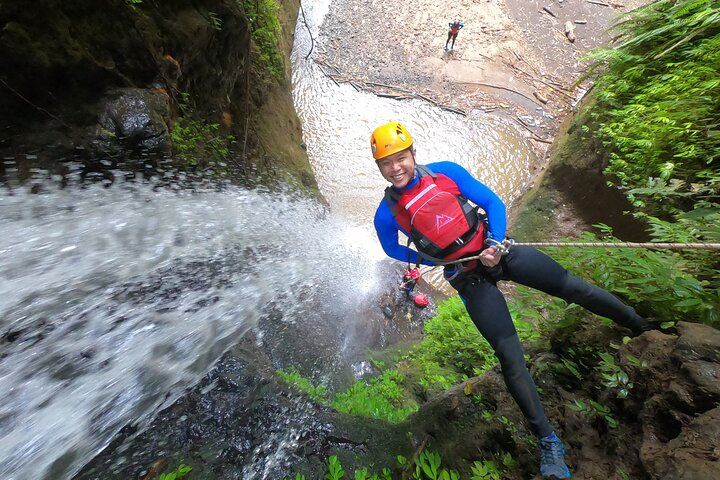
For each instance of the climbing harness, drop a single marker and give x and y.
(441, 222)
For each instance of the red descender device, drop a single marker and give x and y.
(409, 283)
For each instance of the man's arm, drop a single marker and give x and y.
(479, 194)
(387, 231)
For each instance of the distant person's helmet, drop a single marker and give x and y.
(389, 138)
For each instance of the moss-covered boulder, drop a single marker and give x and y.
(65, 62)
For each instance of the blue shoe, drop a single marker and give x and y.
(552, 458)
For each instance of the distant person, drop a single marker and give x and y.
(452, 33)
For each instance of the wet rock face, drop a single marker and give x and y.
(71, 66)
(667, 426)
(135, 119)
(241, 421)
(681, 424)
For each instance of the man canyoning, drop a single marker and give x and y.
(436, 207)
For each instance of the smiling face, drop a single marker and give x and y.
(398, 168)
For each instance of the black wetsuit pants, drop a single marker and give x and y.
(488, 310)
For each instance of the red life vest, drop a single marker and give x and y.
(440, 220)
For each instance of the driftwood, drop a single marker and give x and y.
(581, 22)
(557, 89)
(570, 31)
(540, 97)
(614, 5)
(549, 12)
(454, 110)
(374, 88)
(320, 65)
(427, 99)
(534, 135)
(388, 95)
(392, 87)
(502, 88)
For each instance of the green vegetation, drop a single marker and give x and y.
(265, 28)
(379, 397)
(214, 21)
(666, 285)
(489, 469)
(658, 108)
(595, 409)
(197, 143)
(656, 111)
(176, 474)
(293, 377)
(451, 350)
(426, 466)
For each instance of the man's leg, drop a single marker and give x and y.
(448, 39)
(453, 41)
(533, 268)
(488, 310)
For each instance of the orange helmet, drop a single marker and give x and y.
(389, 138)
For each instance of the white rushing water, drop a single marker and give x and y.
(113, 300)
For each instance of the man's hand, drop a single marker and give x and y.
(490, 257)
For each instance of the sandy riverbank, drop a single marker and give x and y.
(512, 56)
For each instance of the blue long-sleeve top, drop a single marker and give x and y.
(387, 227)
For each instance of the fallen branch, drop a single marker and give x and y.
(557, 89)
(550, 11)
(320, 65)
(570, 31)
(534, 135)
(392, 87)
(503, 88)
(540, 97)
(594, 2)
(39, 109)
(427, 99)
(390, 95)
(312, 40)
(411, 462)
(454, 110)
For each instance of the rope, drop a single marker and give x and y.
(658, 245)
(650, 245)
(312, 40)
